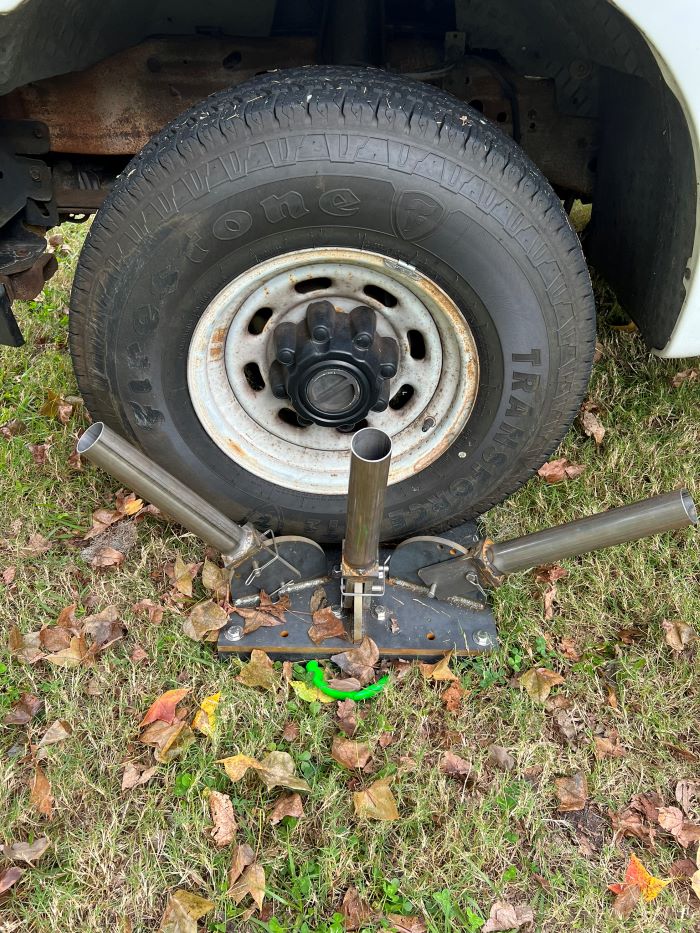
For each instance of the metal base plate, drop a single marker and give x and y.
(414, 627)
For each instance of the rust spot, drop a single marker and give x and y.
(217, 344)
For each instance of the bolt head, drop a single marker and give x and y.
(482, 638)
(379, 612)
(233, 633)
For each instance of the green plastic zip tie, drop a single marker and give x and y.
(366, 693)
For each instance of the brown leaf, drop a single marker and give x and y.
(681, 752)
(685, 792)
(350, 754)
(25, 647)
(242, 856)
(215, 579)
(440, 670)
(505, 916)
(154, 611)
(58, 731)
(572, 792)
(676, 823)
(607, 747)
(556, 471)
(344, 683)
(569, 648)
(259, 672)
(182, 576)
(549, 573)
(8, 575)
(136, 774)
(206, 617)
(376, 802)
(347, 717)
(23, 710)
(453, 696)
(685, 375)
(359, 662)
(592, 426)
(12, 428)
(678, 634)
(69, 657)
(326, 624)
(173, 742)
(182, 912)
(36, 545)
(290, 733)
(356, 912)
(26, 851)
(9, 876)
(402, 924)
(501, 758)
(225, 826)
(41, 797)
(138, 655)
(75, 461)
(538, 682)
(39, 452)
(682, 868)
(386, 739)
(319, 600)
(54, 638)
(549, 598)
(287, 805)
(252, 882)
(104, 627)
(163, 708)
(455, 767)
(106, 557)
(626, 900)
(66, 619)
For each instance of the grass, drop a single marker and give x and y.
(116, 857)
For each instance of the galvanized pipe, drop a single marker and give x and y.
(130, 466)
(370, 457)
(667, 512)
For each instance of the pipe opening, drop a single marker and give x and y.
(371, 445)
(689, 506)
(90, 437)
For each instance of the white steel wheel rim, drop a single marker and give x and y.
(245, 421)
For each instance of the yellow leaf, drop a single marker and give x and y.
(205, 717)
(183, 911)
(637, 874)
(539, 681)
(275, 770)
(237, 765)
(377, 802)
(182, 577)
(259, 672)
(133, 506)
(309, 693)
(440, 670)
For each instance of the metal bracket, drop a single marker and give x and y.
(25, 179)
(10, 334)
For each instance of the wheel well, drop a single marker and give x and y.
(574, 82)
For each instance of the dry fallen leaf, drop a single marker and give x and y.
(440, 670)
(136, 774)
(685, 375)
(453, 696)
(8, 575)
(592, 425)
(572, 792)
(678, 634)
(405, 924)
(287, 805)
(205, 718)
(319, 600)
(35, 546)
(182, 912)
(252, 882)
(106, 557)
(679, 826)
(501, 758)
(163, 708)
(637, 876)
(41, 797)
(242, 856)
(206, 617)
(548, 600)
(58, 731)
(153, 610)
(290, 733)
(605, 747)
(376, 802)
(347, 717)
(138, 654)
(225, 826)
(26, 851)
(25, 647)
(686, 791)
(182, 576)
(275, 770)
(325, 624)
(23, 710)
(174, 741)
(455, 767)
(556, 471)
(350, 754)
(9, 876)
(538, 682)
(259, 672)
(359, 662)
(356, 912)
(505, 916)
(215, 579)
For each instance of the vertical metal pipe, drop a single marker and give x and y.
(129, 465)
(628, 523)
(370, 459)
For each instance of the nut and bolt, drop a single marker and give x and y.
(35, 174)
(379, 612)
(482, 638)
(233, 633)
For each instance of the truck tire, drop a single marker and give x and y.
(334, 189)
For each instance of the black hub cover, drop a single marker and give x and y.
(332, 366)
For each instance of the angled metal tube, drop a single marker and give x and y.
(370, 459)
(130, 466)
(628, 523)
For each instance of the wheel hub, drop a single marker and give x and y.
(333, 366)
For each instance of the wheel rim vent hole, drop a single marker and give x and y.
(290, 417)
(254, 377)
(313, 285)
(259, 320)
(416, 344)
(402, 397)
(381, 295)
